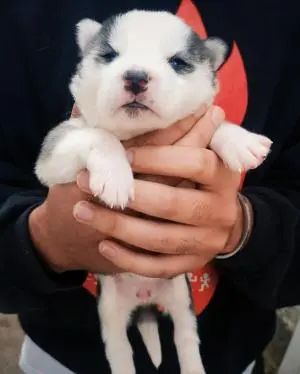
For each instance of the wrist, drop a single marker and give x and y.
(242, 229)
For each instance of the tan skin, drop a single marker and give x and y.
(187, 227)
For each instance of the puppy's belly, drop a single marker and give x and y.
(140, 291)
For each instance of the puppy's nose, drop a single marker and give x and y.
(135, 81)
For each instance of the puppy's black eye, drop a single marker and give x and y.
(109, 56)
(178, 64)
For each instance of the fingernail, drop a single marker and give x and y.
(217, 115)
(129, 156)
(83, 212)
(82, 181)
(107, 250)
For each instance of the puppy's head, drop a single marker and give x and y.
(142, 71)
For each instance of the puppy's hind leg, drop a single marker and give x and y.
(177, 301)
(114, 317)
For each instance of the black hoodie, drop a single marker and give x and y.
(38, 57)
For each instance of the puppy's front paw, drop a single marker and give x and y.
(240, 149)
(248, 152)
(112, 182)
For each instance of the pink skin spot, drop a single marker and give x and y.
(143, 294)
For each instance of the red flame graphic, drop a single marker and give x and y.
(233, 95)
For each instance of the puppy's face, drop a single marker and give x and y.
(142, 71)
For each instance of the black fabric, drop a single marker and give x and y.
(38, 56)
(259, 367)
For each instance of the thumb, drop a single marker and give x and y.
(169, 135)
(200, 135)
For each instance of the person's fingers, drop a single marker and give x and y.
(169, 135)
(200, 135)
(83, 182)
(100, 265)
(195, 130)
(71, 191)
(165, 266)
(162, 237)
(199, 165)
(177, 204)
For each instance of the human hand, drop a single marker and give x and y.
(61, 242)
(201, 223)
(65, 244)
(198, 230)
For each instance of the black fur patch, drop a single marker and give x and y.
(196, 50)
(102, 42)
(194, 54)
(107, 27)
(98, 289)
(143, 310)
(190, 293)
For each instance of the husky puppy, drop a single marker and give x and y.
(140, 71)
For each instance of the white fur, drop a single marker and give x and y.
(118, 300)
(80, 147)
(99, 91)
(86, 30)
(149, 331)
(93, 142)
(238, 148)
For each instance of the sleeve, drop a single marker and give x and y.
(271, 257)
(24, 279)
(267, 269)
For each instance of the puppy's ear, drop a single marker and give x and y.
(218, 50)
(86, 30)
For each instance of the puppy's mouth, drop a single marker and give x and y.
(135, 105)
